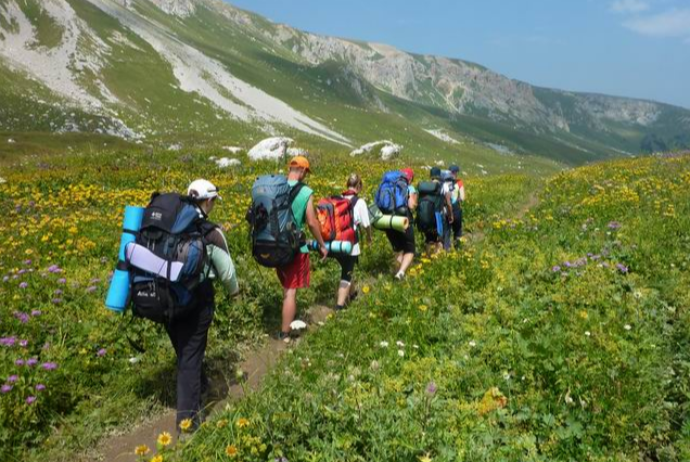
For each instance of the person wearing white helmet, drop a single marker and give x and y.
(189, 334)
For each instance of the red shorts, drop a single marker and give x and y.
(296, 274)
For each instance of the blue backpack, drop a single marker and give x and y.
(392, 195)
(276, 239)
(174, 234)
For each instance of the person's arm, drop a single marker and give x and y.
(449, 207)
(364, 223)
(412, 201)
(315, 227)
(222, 262)
(462, 193)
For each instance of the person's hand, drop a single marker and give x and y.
(451, 219)
(324, 252)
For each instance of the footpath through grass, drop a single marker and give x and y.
(563, 336)
(68, 372)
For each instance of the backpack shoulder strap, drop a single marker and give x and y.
(294, 192)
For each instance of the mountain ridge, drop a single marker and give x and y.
(234, 68)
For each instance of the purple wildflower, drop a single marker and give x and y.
(91, 289)
(57, 292)
(31, 362)
(12, 378)
(556, 269)
(46, 346)
(36, 312)
(101, 352)
(23, 343)
(40, 387)
(5, 388)
(56, 301)
(568, 264)
(622, 268)
(5, 279)
(27, 262)
(21, 271)
(431, 388)
(62, 281)
(49, 366)
(23, 317)
(8, 341)
(94, 281)
(19, 362)
(54, 269)
(23, 285)
(614, 225)
(30, 400)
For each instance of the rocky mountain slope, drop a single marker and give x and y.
(190, 69)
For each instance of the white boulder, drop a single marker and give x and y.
(233, 149)
(274, 148)
(224, 162)
(384, 148)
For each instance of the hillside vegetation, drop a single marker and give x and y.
(561, 335)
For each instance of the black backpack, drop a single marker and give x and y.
(430, 204)
(276, 239)
(172, 239)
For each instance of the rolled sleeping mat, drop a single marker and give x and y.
(392, 222)
(439, 223)
(334, 246)
(118, 292)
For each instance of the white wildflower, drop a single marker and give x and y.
(384, 344)
(587, 333)
(401, 353)
(400, 344)
(627, 327)
(473, 343)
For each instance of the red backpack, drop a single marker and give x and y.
(336, 215)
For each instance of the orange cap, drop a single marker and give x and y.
(300, 162)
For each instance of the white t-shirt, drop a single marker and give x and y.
(361, 215)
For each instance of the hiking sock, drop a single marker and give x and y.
(400, 276)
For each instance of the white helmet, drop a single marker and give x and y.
(202, 189)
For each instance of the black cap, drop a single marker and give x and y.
(435, 171)
(454, 168)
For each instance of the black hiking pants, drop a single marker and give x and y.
(188, 336)
(457, 221)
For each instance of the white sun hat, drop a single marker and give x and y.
(203, 189)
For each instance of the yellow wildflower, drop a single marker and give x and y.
(158, 458)
(164, 439)
(231, 450)
(186, 424)
(425, 458)
(423, 308)
(142, 450)
(366, 289)
(222, 423)
(242, 422)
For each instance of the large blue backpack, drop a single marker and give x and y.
(392, 195)
(173, 234)
(276, 238)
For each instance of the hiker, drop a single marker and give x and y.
(189, 333)
(398, 187)
(434, 213)
(457, 198)
(448, 218)
(361, 225)
(295, 275)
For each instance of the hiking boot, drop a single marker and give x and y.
(282, 336)
(400, 276)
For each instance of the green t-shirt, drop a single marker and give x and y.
(299, 207)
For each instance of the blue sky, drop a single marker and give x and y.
(637, 48)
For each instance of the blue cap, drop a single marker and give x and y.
(454, 168)
(435, 172)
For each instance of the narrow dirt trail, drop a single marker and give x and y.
(256, 365)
